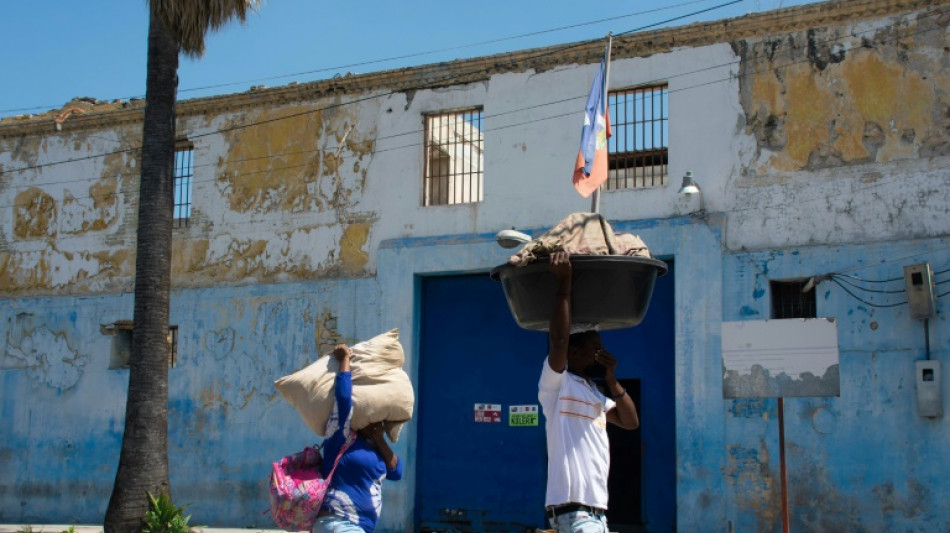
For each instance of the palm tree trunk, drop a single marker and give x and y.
(143, 463)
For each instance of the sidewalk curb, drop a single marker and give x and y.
(64, 528)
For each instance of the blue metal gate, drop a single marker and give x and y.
(476, 472)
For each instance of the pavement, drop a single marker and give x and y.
(65, 528)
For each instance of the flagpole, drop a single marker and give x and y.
(595, 200)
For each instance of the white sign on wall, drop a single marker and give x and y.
(488, 413)
(780, 358)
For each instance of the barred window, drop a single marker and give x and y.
(184, 172)
(453, 158)
(638, 146)
(788, 300)
(121, 353)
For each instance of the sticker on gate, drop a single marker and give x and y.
(487, 413)
(523, 415)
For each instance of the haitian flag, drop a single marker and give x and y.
(590, 170)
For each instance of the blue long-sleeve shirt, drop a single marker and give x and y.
(356, 489)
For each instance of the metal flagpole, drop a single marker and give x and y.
(595, 199)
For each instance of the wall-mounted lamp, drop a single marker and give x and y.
(690, 188)
(510, 238)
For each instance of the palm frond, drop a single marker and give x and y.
(188, 21)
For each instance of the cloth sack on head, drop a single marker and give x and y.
(382, 391)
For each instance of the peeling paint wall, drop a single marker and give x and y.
(863, 460)
(821, 143)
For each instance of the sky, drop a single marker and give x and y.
(55, 50)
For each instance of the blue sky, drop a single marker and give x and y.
(55, 50)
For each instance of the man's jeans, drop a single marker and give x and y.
(579, 522)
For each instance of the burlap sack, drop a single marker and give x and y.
(382, 391)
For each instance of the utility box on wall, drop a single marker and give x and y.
(929, 397)
(920, 291)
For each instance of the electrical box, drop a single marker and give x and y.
(920, 291)
(929, 398)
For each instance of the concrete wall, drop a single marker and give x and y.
(821, 146)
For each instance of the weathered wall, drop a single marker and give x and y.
(852, 133)
(864, 461)
(63, 408)
(818, 149)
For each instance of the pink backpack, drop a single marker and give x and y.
(297, 488)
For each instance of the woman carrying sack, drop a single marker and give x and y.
(354, 500)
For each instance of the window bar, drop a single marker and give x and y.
(470, 144)
(446, 174)
(427, 164)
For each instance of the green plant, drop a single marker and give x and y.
(70, 529)
(165, 517)
(27, 528)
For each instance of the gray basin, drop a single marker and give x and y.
(608, 291)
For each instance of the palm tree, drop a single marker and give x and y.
(174, 26)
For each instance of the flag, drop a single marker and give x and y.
(590, 169)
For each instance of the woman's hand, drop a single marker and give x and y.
(342, 354)
(373, 432)
(341, 351)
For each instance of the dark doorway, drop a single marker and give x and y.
(625, 512)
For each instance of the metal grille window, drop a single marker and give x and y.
(638, 146)
(121, 353)
(453, 158)
(788, 300)
(184, 172)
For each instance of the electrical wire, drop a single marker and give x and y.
(415, 145)
(870, 280)
(412, 55)
(862, 300)
(559, 50)
(856, 286)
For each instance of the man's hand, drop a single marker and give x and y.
(561, 264)
(559, 329)
(609, 362)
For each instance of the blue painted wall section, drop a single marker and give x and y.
(864, 459)
(63, 409)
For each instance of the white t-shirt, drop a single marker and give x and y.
(575, 414)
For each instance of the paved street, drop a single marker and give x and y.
(59, 528)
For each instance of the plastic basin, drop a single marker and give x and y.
(607, 291)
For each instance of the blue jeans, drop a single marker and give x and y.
(335, 524)
(579, 522)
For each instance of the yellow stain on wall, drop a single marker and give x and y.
(189, 258)
(267, 166)
(103, 214)
(808, 111)
(865, 108)
(892, 96)
(116, 265)
(34, 214)
(352, 256)
(192, 267)
(283, 163)
(28, 273)
(25, 273)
